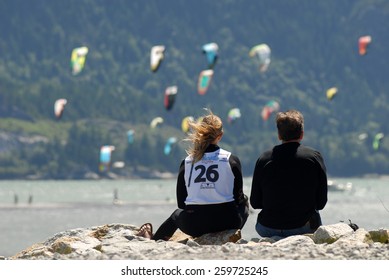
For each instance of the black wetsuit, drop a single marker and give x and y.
(289, 184)
(197, 220)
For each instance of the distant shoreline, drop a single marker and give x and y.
(150, 174)
(144, 174)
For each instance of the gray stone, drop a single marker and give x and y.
(192, 243)
(296, 240)
(360, 236)
(331, 233)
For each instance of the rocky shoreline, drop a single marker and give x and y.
(119, 242)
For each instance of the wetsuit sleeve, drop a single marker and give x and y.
(322, 191)
(238, 180)
(181, 191)
(256, 192)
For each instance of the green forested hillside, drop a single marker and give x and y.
(314, 47)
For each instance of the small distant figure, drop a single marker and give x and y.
(16, 199)
(116, 197)
(30, 199)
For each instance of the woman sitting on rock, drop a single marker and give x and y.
(209, 190)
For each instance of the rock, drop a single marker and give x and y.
(331, 233)
(77, 242)
(181, 237)
(219, 238)
(120, 242)
(63, 245)
(296, 240)
(215, 238)
(242, 241)
(357, 237)
(192, 243)
(380, 235)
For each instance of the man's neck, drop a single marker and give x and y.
(290, 141)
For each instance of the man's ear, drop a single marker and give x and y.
(302, 135)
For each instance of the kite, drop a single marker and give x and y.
(170, 97)
(169, 144)
(59, 107)
(130, 136)
(205, 78)
(156, 121)
(270, 107)
(233, 114)
(185, 123)
(377, 140)
(211, 52)
(331, 93)
(105, 157)
(262, 54)
(77, 60)
(363, 43)
(156, 57)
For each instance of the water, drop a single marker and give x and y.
(61, 205)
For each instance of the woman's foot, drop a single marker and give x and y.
(146, 231)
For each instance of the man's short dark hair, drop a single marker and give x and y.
(290, 125)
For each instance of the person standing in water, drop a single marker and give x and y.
(209, 187)
(289, 182)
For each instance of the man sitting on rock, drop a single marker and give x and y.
(289, 183)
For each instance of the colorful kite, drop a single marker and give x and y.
(170, 97)
(211, 52)
(363, 43)
(377, 140)
(233, 115)
(270, 108)
(77, 60)
(204, 82)
(262, 54)
(105, 157)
